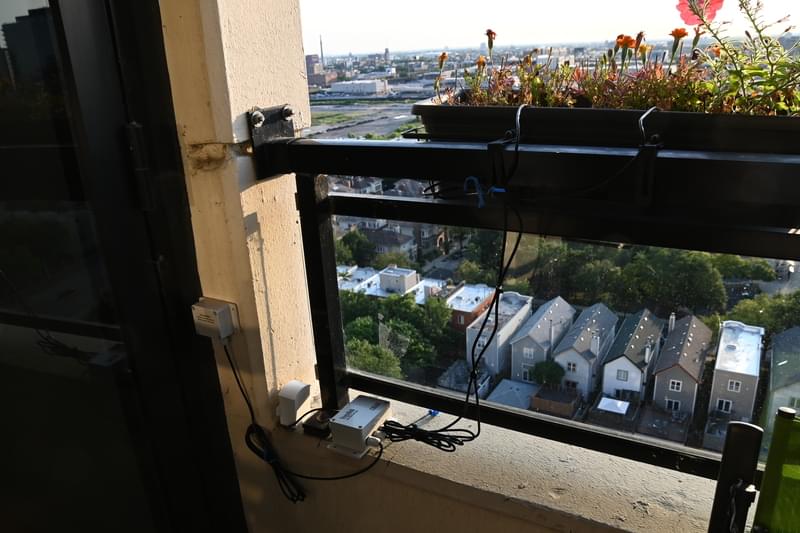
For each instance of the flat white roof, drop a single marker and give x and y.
(397, 271)
(510, 304)
(357, 279)
(613, 406)
(419, 288)
(469, 297)
(740, 348)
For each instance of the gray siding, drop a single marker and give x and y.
(743, 401)
(518, 356)
(687, 394)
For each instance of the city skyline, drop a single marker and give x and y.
(361, 27)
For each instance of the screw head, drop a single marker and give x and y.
(257, 119)
(287, 112)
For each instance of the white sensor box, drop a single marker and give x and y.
(355, 422)
(215, 318)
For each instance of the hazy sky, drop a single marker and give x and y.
(360, 26)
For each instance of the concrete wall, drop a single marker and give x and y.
(688, 392)
(743, 401)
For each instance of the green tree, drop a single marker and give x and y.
(363, 251)
(597, 281)
(344, 256)
(471, 272)
(363, 328)
(356, 304)
(548, 373)
(483, 249)
(409, 345)
(393, 258)
(737, 267)
(362, 355)
(774, 313)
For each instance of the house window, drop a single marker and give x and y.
(675, 385)
(673, 405)
(724, 405)
(570, 384)
(622, 375)
(734, 386)
(461, 319)
(794, 403)
(527, 373)
(528, 353)
(572, 367)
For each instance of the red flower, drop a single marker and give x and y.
(709, 8)
(679, 33)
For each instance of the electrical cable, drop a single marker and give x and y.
(258, 442)
(301, 417)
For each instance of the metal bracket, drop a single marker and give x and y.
(267, 125)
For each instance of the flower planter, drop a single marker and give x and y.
(612, 127)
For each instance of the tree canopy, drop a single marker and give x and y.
(371, 358)
(548, 373)
(361, 250)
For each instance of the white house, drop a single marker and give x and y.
(584, 346)
(630, 360)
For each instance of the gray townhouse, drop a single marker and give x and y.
(514, 310)
(584, 346)
(679, 369)
(629, 363)
(537, 337)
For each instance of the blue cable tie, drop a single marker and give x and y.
(478, 189)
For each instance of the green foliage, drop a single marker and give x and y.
(344, 256)
(363, 327)
(356, 304)
(737, 267)
(548, 373)
(470, 272)
(774, 313)
(362, 355)
(483, 250)
(400, 259)
(362, 251)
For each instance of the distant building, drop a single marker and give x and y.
(679, 369)
(323, 79)
(313, 65)
(537, 337)
(361, 87)
(355, 279)
(584, 346)
(513, 394)
(356, 184)
(514, 309)
(468, 302)
(407, 188)
(630, 360)
(784, 377)
(736, 373)
(31, 49)
(456, 378)
(388, 241)
(395, 280)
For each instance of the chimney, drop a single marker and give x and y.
(321, 53)
(648, 353)
(552, 339)
(595, 347)
(671, 322)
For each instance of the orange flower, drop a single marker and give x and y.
(481, 62)
(679, 33)
(442, 59)
(716, 50)
(620, 38)
(628, 41)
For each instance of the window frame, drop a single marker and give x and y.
(744, 230)
(622, 371)
(572, 366)
(527, 370)
(674, 403)
(723, 401)
(734, 382)
(675, 385)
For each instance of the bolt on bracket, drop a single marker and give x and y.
(267, 125)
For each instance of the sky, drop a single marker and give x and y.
(359, 26)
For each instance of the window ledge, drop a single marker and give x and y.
(541, 482)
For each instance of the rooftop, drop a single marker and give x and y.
(786, 358)
(427, 287)
(594, 320)
(469, 297)
(398, 271)
(510, 304)
(381, 236)
(513, 393)
(352, 278)
(636, 333)
(456, 377)
(537, 327)
(686, 347)
(740, 348)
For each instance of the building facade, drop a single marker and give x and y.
(630, 360)
(514, 310)
(537, 337)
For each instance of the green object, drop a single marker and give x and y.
(779, 503)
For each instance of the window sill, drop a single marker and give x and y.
(543, 483)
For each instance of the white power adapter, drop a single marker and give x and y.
(291, 399)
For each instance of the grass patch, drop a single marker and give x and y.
(397, 133)
(331, 118)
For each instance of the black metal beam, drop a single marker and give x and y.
(630, 446)
(323, 289)
(605, 225)
(61, 325)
